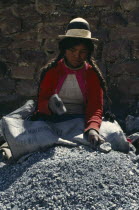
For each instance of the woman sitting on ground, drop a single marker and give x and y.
(73, 82)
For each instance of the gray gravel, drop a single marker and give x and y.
(71, 179)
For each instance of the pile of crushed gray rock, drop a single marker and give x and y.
(73, 178)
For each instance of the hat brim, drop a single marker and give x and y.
(66, 36)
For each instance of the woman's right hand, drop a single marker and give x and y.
(94, 138)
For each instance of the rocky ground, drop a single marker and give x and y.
(71, 178)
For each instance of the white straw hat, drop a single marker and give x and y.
(78, 28)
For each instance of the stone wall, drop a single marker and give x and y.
(28, 39)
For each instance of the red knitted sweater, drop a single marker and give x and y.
(94, 94)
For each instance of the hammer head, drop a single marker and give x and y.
(57, 105)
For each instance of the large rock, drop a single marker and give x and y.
(129, 68)
(95, 3)
(123, 85)
(101, 34)
(132, 124)
(128, 4)
(9, 24)
(26, 44)
(133, 17)
(34, 58)
(129, 33)
(135, 49)
(116, 50)
(102, 3)
(7, 87)
(25, 35)
(58, 18)
(44, 7)
(81, 2)
(30, 22)
(23, 72)
(50, 45)
(9, 55)
(48, 31)
(113, 20)
(26, 88)
(28, 15)
(25, 10)
(5, 41)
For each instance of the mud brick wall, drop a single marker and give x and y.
(28, 39)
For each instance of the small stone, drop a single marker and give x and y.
(136, 159)
(15, 207)
(131, 173)
(105, 147)
(132, 155)
(136, 170)
(132, 149)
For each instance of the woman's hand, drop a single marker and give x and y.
(94, 138)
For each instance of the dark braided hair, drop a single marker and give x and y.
(68, 43)
(50, 65)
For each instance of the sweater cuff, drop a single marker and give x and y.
(86, 131)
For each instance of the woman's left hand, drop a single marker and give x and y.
(94, 138)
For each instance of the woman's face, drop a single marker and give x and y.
(76, 55)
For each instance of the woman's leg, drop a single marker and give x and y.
(72, 130)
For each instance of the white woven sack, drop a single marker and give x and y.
(113, 133)
(25, 136)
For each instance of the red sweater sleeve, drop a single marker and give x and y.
(94, 106)
(46, 90)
